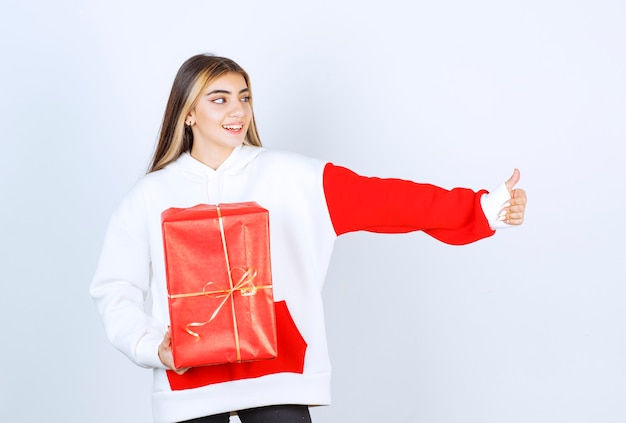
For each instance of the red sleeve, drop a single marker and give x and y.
(358, 203)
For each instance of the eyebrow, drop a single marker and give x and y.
(227, 92)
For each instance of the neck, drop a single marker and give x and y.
(211, 157)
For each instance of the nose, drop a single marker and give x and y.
(238, 109)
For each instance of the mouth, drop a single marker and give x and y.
(233, 128)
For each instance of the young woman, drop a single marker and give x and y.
(209, 152)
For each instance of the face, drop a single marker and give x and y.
(220, 120)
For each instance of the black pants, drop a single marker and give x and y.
(270, 414)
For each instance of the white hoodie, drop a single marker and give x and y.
(298, 192)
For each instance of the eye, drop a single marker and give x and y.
(219, 100)
(245, 99)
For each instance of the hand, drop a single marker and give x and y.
(513, 211)
(165, 354)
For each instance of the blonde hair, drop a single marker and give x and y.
(175, 138)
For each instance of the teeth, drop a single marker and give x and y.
(233, 127)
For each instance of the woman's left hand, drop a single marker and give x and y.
(513, 211)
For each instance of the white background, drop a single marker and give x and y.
(526, 326)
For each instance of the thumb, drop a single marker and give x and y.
(167, 339)
(513, 180)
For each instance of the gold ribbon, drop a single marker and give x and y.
(245, 285)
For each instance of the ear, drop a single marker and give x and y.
(190, 119)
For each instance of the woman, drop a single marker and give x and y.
(209, 152)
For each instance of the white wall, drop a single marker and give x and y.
(527, 326)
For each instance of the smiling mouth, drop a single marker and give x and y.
(233, 127)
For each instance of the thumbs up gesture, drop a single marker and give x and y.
(513, 210)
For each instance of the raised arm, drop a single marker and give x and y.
(395, 205)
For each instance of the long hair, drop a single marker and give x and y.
(175, 138)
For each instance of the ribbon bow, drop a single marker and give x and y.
(244, 285)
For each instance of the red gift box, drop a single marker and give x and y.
(219, 284)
